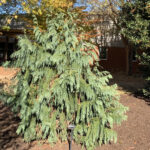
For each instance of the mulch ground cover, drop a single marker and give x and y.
(133, 134)
(9, 140)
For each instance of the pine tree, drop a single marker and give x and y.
(56, 87)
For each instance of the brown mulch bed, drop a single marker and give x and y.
(9, 140)
(133, 134)
(7, 73)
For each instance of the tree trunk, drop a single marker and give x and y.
(130, 61)
(129, 53)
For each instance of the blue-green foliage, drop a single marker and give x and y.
(56, 86)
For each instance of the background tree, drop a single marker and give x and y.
(56, 86)
(135, 26)
(8, 11)
(16, 8)
(41, 8)
(23, 11)
(109, 10)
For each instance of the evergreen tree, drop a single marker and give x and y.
(56, 87)
(135, 26)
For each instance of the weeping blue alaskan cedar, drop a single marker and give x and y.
(56, 87)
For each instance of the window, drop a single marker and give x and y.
(103, 53)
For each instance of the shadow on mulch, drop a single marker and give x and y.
(139, 94)
(133, 85)
(9, 140)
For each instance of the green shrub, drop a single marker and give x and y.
(57, 87)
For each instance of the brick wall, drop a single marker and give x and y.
(117, 61)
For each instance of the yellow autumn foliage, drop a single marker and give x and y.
(2, 2)
(41, 8)
(36, 8)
